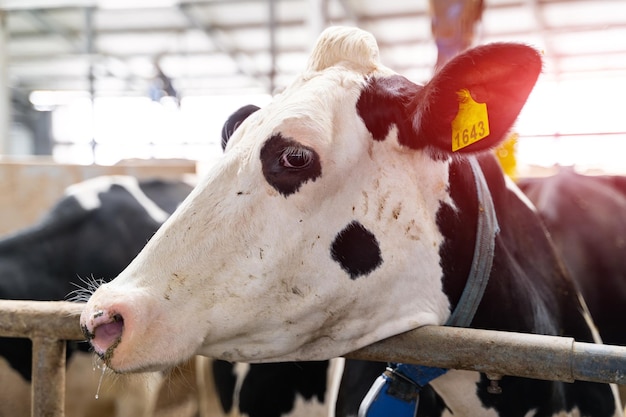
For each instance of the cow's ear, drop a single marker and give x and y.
(472, 102)
(234, 120)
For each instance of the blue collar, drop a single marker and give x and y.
(396, 391)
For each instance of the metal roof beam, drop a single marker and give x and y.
(217, 37)
(349, 11)
(49, 27)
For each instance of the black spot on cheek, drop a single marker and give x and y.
(356, 249)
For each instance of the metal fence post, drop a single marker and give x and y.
(48, 385)
(48, 324)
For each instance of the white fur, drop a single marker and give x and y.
(459, 390)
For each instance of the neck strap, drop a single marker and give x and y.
(486, 230)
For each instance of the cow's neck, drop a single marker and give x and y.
(528, 291)
(458, 226)
(484, 247)
(525, 275)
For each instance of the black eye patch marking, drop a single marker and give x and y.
(356, 249)
(288, 164)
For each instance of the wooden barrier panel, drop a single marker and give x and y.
(29, 187)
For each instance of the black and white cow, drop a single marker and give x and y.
(89, 236)
(586, 217)
(340, 215)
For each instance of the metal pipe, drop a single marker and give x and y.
(47, 324)
(91, 78)
(317, 19)
(5, 91)
(502, 353)
(52, 319)
(48, 377)
(272, 26)
(488, 351)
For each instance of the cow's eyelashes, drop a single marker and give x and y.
(296, 157)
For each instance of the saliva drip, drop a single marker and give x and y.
(104, 368)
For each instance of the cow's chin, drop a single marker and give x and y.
(142, 368)
(126, 367)
(124, 359)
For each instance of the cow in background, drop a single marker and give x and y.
(586, 217)
(88, 237)
(346, 211)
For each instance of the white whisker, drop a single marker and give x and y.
(85, 289)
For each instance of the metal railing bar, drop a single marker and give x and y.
(53, 319)
(48, 323)
(502, 353)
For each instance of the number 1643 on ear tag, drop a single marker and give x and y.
(471, 123)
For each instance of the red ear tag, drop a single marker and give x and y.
(471, 123)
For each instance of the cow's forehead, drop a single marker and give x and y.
(324, 96)
(308, 111)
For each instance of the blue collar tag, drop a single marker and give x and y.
(396, 391)
(390, 395)
(379, 402)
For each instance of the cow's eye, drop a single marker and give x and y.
(288, 164)
(296, 157)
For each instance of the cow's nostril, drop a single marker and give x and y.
(107, 335)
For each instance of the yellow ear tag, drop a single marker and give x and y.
(471, 123)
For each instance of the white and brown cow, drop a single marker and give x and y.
(339, 216)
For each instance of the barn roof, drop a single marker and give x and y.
(229, 46)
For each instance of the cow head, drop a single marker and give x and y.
(317, 231)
